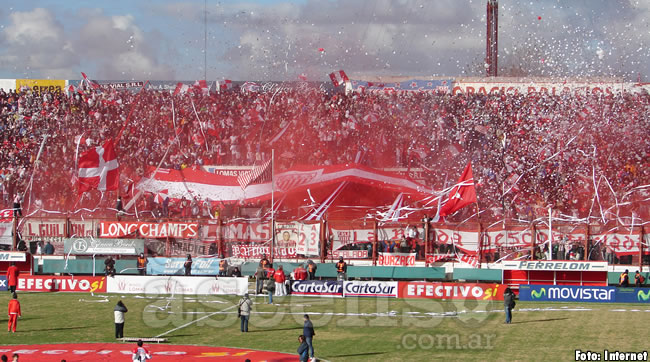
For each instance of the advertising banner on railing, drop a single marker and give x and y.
(350, 254)
(478, 291)
(81, 228)
(320, 288)
(44, 228)
(304, 237)
(148, 230)
(554, 265)
(3, 283)
(567, 293)
(13, 256)
(40, 85)
(396, 259)
(537, 86)
(38, 283)
(180, 247)
(369, 289)
(91, 246)
(153, 285)
(343, 237)
(257, 250)
(175, 266)
(241, 231)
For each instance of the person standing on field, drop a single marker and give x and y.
(509, 304)
(188, 265)
(279, 282)
(119, 311)
(245, 306)
(14, 313)
(308, 332)
(12, 277)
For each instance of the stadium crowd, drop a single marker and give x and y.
(579, 154)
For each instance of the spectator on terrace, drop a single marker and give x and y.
(109, 266)
(49, 249)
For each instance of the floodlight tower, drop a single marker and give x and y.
(492, 38)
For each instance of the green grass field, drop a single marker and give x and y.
(346, 329)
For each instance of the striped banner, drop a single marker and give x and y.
(246, 178)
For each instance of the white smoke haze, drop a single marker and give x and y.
(280, 40)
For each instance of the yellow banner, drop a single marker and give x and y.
(41, 85)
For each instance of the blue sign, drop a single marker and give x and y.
(567, 293)
(632, 295)
(175, 266)
(3, 284)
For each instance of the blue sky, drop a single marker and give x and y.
(278, 40)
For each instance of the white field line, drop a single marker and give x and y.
(192, 322)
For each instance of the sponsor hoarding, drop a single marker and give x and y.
(350, 254)
(3, 283)
(555, 265)
(37, 283)
(41, 85)
(329, 288)
(174, 266)
(370, 289)
(567, 293)
(12, 256)
(44, 228)
(120, 229)
(396, 259)
(91, 246)
(477, 291)
(632, 295)
(177, 285)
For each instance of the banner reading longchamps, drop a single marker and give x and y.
(41, 85)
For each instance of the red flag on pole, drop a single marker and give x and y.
(99, 169)
(462, 194)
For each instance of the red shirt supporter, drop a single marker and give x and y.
(12, 277)
(270, 272)
(300, 273)
(279, 277)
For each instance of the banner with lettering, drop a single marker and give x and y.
(120, 229)
(396, 259)
(92, 246)
(304, 237)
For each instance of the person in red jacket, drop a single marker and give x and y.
(12, 277)
(300, 273)
(14, 313)
(279, 282)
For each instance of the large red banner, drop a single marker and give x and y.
(476, 291)
(35, 283)
(117, 229)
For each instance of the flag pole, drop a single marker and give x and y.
(272, 204)
(550, 233)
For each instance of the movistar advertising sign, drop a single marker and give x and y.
(594, 294)
(566, 293)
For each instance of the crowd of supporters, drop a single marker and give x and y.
(582, 155)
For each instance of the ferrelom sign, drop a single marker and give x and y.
(370, 289)
(567, 293)
(555, 265)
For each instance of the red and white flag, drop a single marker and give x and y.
(462, 194)
(99, 169)
(181, 88)
(90, 82)
(246, 178)
(226, 84)
(202, 86)
(339, 78)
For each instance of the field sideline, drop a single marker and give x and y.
(346, 329)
